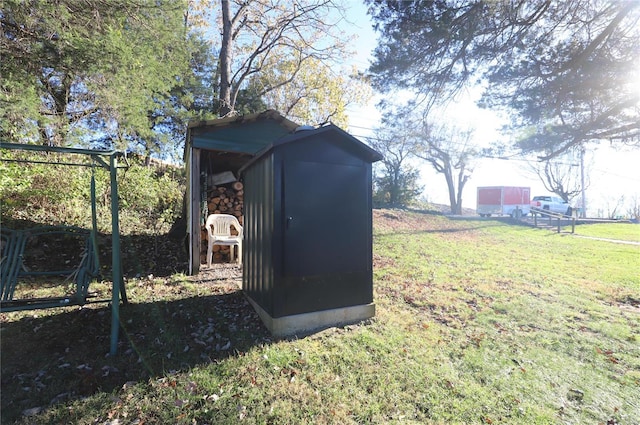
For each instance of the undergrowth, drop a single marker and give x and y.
(35, 194)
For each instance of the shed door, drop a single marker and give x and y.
(326, 217)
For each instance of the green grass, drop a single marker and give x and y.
(619, 231)
(476, 322)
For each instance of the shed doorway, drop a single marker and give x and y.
(214, 148)
(221, 193)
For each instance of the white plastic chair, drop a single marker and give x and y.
(219, 233)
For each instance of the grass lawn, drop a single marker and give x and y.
(477, 322)
(619, 231)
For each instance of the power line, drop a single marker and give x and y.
(362, 128)
(609, 173)
(512, 157)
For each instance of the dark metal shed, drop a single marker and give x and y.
(308, 231)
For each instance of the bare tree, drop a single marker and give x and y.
(633, 209)
(254, 31)
(561, 175)
(612, 205)
(450, 151)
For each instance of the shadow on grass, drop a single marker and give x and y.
(48, 359)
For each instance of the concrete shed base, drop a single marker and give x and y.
(308, 323)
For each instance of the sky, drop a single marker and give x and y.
(613, 171)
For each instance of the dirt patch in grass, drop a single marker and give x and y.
(388, 220)
(630, 304)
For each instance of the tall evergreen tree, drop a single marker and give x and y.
(569, 69)
(76, 71)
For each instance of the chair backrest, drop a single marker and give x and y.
(220, 225)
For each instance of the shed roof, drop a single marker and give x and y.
(336, 132)
(361, 149)
(242, 134)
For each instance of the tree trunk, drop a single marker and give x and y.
(394, 192)
(455, 192)
(225, 60)
(447, 171)
(462, 181)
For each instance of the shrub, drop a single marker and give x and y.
(35, 193)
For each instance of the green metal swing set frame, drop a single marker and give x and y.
(14, 242)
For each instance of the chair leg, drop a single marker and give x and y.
(231, 253)
(209, 254)
(240, 254)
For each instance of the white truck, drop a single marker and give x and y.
(553, 204)
(503, 200)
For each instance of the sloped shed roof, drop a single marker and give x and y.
(248, 134)
(354, 144)
(332, 132)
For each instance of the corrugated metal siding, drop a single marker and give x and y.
(258, 267)
(327, 247)
(308, 243)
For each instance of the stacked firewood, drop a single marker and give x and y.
(223, 199)
(227, 199)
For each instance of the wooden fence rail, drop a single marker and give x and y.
(551, 216)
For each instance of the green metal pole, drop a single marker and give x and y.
(115, 257)
(94, 219)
